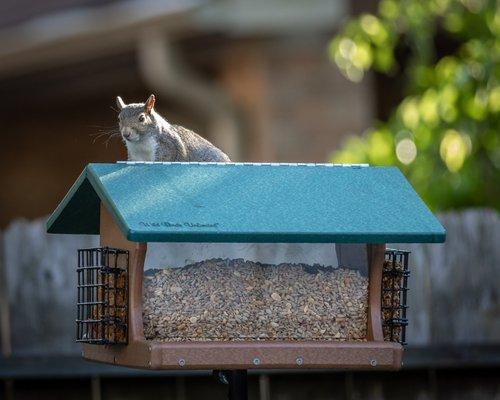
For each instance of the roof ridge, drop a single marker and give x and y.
(272, 164)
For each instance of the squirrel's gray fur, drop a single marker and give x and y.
(149, 137)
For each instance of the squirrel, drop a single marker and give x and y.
(150, 137)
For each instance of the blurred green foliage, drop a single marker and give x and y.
(445, 135)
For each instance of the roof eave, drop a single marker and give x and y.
(256, 237)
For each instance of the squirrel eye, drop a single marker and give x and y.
(142, 118)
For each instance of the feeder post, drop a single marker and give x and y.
(237, 380)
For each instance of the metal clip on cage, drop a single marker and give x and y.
(394, 295)
(102, 296)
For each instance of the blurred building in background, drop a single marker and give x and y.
(254, 77)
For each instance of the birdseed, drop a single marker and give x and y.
(238, 300)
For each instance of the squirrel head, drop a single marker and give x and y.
(136, 119)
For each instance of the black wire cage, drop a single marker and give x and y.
(102, 303)
(395, 275)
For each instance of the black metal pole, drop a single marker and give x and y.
(237, 380)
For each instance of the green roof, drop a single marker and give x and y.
(244, 202)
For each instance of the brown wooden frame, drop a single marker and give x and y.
(142, 353)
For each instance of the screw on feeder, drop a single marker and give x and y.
(256, 361)
(299, 360)
(181, 362)
(373, 362)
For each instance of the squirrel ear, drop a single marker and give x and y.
(150, 103)
(120, 103)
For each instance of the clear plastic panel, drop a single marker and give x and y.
(248, 292)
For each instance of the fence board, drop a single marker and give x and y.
(5, 346)
(41, 283)
(454, 287)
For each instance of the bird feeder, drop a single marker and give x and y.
(230, 313)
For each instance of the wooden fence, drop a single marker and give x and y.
(454, 292)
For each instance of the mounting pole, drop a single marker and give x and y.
(238, 385)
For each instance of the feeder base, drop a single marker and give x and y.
(249, 355)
